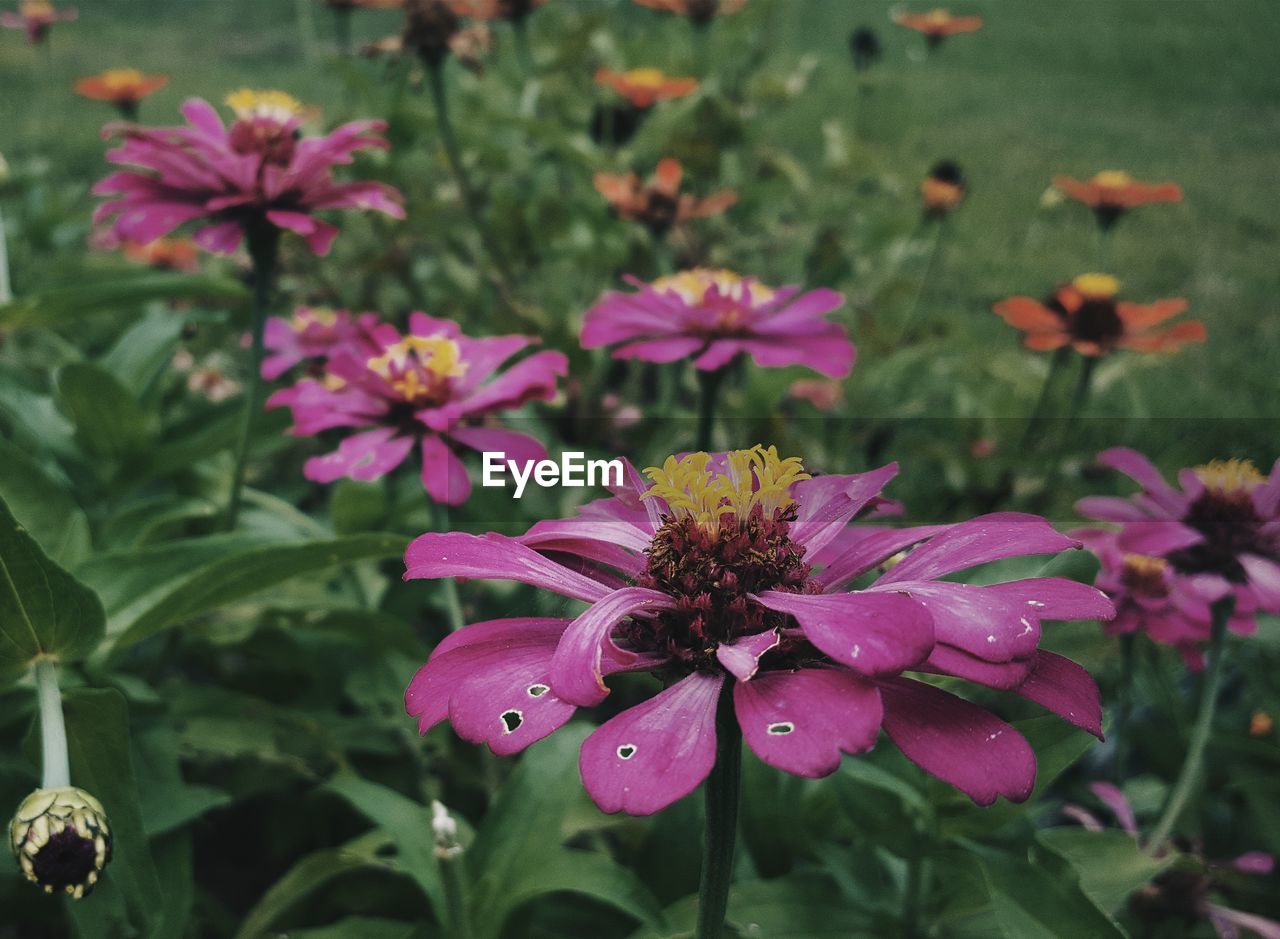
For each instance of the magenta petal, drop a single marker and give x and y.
(366, 456)
(826, 504)
(576, 671)
(495, 557)
(1057, 598)
(1255, 862)
(1157, 538)
(1111, 509)
(802, 721)
(221, 238)
(1141, 470)
(742, 656)
(656, 752)
(1115, 800)
(957, 741)
(1066, 689)
(1228, 923)
(1264, 578)
(870, 550)
(444, 475)
(872, 633)
(980, 620)
(948, 660)
(512, 445)
(980, 540)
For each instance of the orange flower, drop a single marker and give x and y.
(174, 254)
(1085, 315)
(824, 394)
(943, 189)
(937, 25)
(123, 87)
(660, 204)
(644, 87)
(1111, 193)
(700, 12)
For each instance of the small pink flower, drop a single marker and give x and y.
(1222, 526)
(316, 333)
(260, 171)
(730, 574)
(36, 18)
(714, 316)
(432, 389)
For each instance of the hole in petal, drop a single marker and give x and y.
(781, 729)
(626, 751)
(537, 691)
(512, 721)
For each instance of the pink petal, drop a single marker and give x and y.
(872, 633)
(831, 354)
(981, 621)
(576, 671)
(1110, 509)
(495, 557)
(672, 349)
(1141, 470)
(1225, 920)
(655, 753)
(980, 540)
(366, 456)
(1063, 687)
(221, 238)
(443, 475)
(871, 550)
(1115, 800)
(957, 741)
(512, 445)
(531, 379)
(1058, 598)
(1264, 578)
(741, 658)
(1157, 538)
(1255, 862)
(826, 504)
(802, 721)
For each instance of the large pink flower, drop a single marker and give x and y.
(1222, 525)
(432, 389)
(715, 316)
(36, 18)
(260, 171)
(731, 574)
(316, 333)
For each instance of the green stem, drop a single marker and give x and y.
(710, 383)
(342, 29)
(523, 52)
(448, 586)
(1083, 382)
(1124, 708)
(914, 894)
(722, 792)
(1189, 775)
(53, 729)
(264, 243)
(929, 264)
(455, 897)
(1046, 393)
(1104, 248)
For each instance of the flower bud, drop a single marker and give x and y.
(444, 830)
(61, 840)
(429, 25)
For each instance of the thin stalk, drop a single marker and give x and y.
(710, 383)
(913, 313)
(914, 894)
(1046, 393)
(722, 792)
(342, 29)
(448, 586)
(53, 729)
(1124, 708)
(6, 292)
(264, 243)
(1083, 382)
(702, 49)
(455, 897)
(1104, 248)
(1189, 775)
(523, 53)
(306, 28)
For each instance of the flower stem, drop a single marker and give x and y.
(53, 730)
(455, 898)
(264, 243)
(723, 788)
(1046, 393)
(1189, 775)
(342, 29)
(914, 894)
(1083, 383)
(710, 383)
(448, 586)
(913, 313)
(1124, 708)
(1104, 248)
(521, 28)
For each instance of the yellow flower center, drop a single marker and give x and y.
(277, 105)
(755, 477)
(1230, 476)
(1113, 179)
(1144, 565)
(418, 366)
(119, 79)
(1097, 286)
(645, 77)
(36, 7)
(693, 285)
(313, 316)
(939, 15)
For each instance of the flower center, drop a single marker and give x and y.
(418, 368)
(1229, 477)
(645, 77)
(36, 8)
(307, 317)
(266, 124)
(726, 535)
(731, 297)
(1096, 286)
(1144, 575)
(1224, 513)
(939, 16)
(1112, 179)
(121, 79)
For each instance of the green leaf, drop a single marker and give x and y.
(1110, 864)
(154, 588)
(1041, 900)
(108, 420)
(356, 506)
(44, 508)
(43, 609)
(127, 293)
(518, 854)
(144, 350)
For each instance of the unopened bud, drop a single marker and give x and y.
(61, 840)
(445, 831)
(429, 25)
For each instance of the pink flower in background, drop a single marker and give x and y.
(730, 574)
(1222, 526)
(36, 18)
(713, 316)
(1153, 598)
(260, 171)
(316, 333)
(434, 389)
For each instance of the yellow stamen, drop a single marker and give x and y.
(1230, 476)
(35, 7)
(693, 285)
(755, 477)
(1113, 179)
(939, 15)
(403, 364)
(1097, 286)
(278, 105)
(645, 77)
(316, 315)
(1144, 565)
(118, 79)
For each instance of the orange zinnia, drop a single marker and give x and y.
(659, 204)
(943, 189)
(1111, 193)
(123, 87)
(937, 25)
(644, 87)
(173, 254)
(700, 12)
(1085, 315)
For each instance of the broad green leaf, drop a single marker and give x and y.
(43, 609)
(109, 421)
(144, 350)
(360, 927)
(45, 508)
(1041, 900)
(1110, 864)
(152, 589)
(307, 876)
(518, 853)
(122, 292)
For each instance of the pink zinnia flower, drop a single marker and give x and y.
(729, 575)
(258, 172)
(1222, 526)
(715, 316)
(432, 389)
(1152, 597)
(36, 18)
(316, 333)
